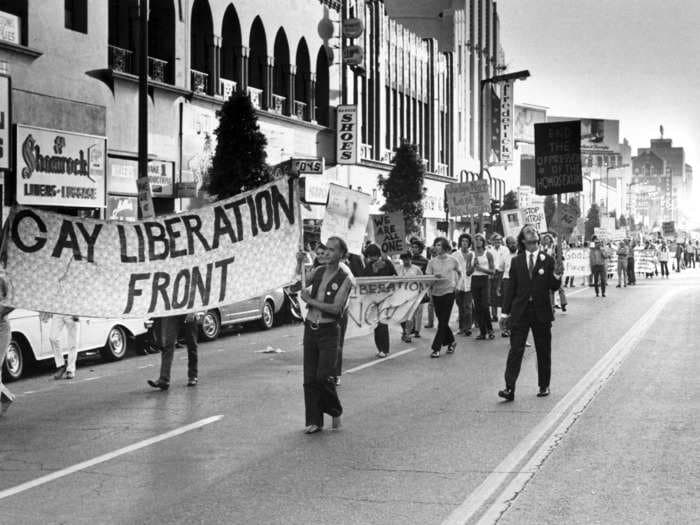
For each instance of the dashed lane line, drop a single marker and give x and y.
(377, 361)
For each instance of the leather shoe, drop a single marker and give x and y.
(159, 384)
(544, 392)
(508, 394)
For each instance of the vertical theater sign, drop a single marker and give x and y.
(58, 168)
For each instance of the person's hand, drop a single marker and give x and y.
(301, 256)
(438, 275)
(559, 269)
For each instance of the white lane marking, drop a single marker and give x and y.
(105, 457)
(91, 378)
(377, 361)
(146, 366)
(569, 294)
(570, 407)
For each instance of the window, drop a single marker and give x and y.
(76, 15)
(459, 59)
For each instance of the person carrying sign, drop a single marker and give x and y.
(599, 264)
(326, 302)
(376, 266)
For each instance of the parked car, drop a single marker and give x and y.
(30, 339)
(264, 310)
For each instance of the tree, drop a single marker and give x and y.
(623, 221)
(510, 201)
(592, 221)
(573, 202)
(549, 208)
(239, 159)
(630, 222)
(403, 188)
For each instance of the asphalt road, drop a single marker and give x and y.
(424, 440)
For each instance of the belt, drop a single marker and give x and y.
(318, 326)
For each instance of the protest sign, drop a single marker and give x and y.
(565, 218)
(612, 262)
(512, 221)
(668, 228)
(389, 232)
(644, 261)
(347, 214)
(535, 216)
(603, 234)
(468, 198)
(558, 157)
(145, 198)
(577, 262)
(229, 251)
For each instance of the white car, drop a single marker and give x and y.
(30, 339)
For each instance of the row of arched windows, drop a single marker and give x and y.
(291, 88)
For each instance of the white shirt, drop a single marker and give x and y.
(465, 283)
(499, 257)
(535, 254)
(509, 261)
(411, 271)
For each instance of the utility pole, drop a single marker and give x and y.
(143, 88)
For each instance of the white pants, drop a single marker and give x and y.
(58, 322)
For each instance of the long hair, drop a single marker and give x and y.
(521, 236)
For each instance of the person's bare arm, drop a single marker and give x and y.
(336, 307)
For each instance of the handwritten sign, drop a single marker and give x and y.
(558, 157)
(468, 198)
(565, 218)
(534, 215)
(512, 221)
(577, 262)
(347, 214)
(390, 232)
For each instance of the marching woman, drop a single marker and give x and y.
(446, 268)
(482, 269)
(663, 260)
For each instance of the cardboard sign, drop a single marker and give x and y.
(577, 262)
(644, 261)
(143, 187)
(390, 232)
(558, 157)
(513, 222)
(468, 198)
(347, 214)
(668, 228)
(565, 218)
(222, 253)
(535, 216)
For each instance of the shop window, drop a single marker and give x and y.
(76, 15)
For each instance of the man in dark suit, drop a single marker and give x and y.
(527, 306)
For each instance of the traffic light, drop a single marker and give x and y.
(495, 206)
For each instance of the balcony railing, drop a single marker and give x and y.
(366, 151)
(387, 155)
(441, 169)
(300, 110)
(278, 104)
(199, 82)
(255, 95)
(158, 70)
(227, 87)
(121, 60)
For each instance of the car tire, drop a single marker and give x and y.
(210, 327)
(267, 320)
(14, 364)
(117, 344)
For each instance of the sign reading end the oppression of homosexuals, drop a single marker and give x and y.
(558, 157)
(229, 251)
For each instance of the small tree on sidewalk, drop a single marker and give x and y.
(403, 187)
(593, 221)
(239, 162)
(510, 201)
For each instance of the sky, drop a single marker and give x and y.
(637, 61)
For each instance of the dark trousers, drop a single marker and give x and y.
(600, 277)
(664, 268)
(166, 334)
(542, 334)
(480, 293)
(320, 362)
(678, 264)
(443, 311)
(381, 337)
(464, 307)
(343, 328)
(631, 278)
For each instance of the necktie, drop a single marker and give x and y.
(531, 264)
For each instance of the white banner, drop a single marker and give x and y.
(229, 251)
(577, 262)
(57, 168)
(644, 261)
(347, 214)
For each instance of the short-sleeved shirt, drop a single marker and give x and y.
(446, 266)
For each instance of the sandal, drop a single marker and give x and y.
(492, 335)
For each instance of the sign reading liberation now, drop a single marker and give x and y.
(226, 252)
(558, 157)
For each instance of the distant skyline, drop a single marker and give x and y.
(632, 61)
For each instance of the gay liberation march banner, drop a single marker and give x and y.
(347, 213)
(226, 252)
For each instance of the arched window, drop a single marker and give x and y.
(280, 89)
(257, 61)
(122, 34)
(322, 87)
(230, 43)
(161, 41)
(201, 34)
(301, 94)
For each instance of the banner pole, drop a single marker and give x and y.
(559, 248)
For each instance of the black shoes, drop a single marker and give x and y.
(435, 354)
(192, 381)
(451, 348)
(508, 394)
(159, 384)
(544, 392)
(60, 372)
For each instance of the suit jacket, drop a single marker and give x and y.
(522, 287)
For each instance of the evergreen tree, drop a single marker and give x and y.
(403, 188)
(549, 208)
(239, 160)
(573, 202)
(593, 221)
(623, 221)
(510, 201)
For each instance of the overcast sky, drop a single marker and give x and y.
(633, 60)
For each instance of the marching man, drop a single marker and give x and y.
(58, 323)
(527, 306)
